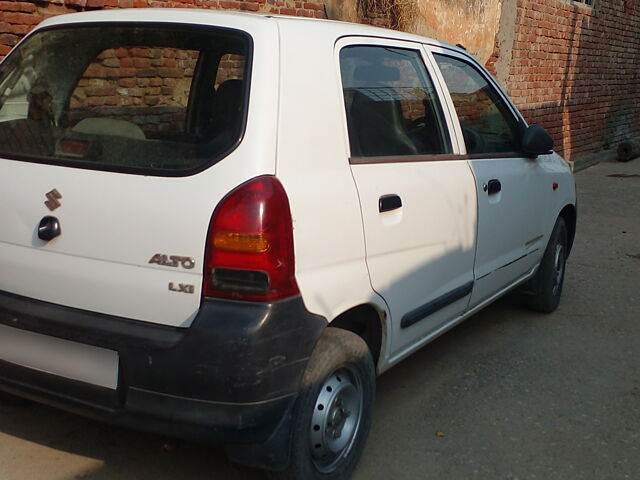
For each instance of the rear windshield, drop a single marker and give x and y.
(152, 99)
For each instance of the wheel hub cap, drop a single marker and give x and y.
(336, 419)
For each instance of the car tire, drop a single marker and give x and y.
(550, 275)
(333, 413)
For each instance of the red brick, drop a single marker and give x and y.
(21, 18)
(18, 29)
(111, 62)
(8, 39)
(141, 62)
(100, 91)
(27, 7)
(251, 7)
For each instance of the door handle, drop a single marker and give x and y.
(493, 187)
(386, 203)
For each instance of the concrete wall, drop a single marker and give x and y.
(472, 23)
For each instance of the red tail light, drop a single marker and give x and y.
(249, 252)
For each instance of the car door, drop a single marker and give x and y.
(417, 199)
(509, 185)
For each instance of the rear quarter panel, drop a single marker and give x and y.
(313, 165)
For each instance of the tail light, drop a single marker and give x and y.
(249, 253)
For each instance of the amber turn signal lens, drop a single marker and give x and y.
(241, 242)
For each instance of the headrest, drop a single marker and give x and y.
(230, 87)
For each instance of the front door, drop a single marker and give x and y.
(510, 228)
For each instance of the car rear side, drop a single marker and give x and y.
(137, 160)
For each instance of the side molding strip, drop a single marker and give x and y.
(433, 306)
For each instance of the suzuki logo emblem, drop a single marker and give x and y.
(53, 199)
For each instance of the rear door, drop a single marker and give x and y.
(510, 187)
(110, 148)
(417, 199)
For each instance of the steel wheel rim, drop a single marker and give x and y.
(558, 264)
(336, 418)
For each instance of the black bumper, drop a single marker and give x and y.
(231, 377)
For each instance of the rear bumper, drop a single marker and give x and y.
(231, 377)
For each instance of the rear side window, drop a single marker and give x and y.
(487, 124)
(155, 100)
(391, 105)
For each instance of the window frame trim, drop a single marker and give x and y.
(434, 158)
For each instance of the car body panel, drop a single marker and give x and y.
(113, 224)
(313, 166)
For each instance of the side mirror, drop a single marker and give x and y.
(536, 141)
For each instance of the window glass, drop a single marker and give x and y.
(392, 107)
(488, 126)
(231, 68)
(146, 87)
(124, 97)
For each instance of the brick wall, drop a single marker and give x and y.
(576, 70)
(17, 17)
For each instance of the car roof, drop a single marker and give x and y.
(238, 19)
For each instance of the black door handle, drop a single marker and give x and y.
(386, 203)
(494, 186)
(49, 228)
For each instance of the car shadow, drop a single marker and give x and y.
(96, 451)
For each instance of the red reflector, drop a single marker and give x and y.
(555, 186)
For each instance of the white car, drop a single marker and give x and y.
(222, 226)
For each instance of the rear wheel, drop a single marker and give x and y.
(550, 275)
(332, 416)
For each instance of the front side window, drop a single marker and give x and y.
(487, 123)
(144, 99)
(391, 105)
